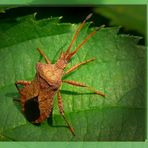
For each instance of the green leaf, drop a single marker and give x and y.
(132, 17)
(2, 9)
(118, 71)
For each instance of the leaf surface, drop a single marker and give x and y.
(118, 71)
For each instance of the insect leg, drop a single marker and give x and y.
(23, 99)
(22, 82)
(78, 65)
(83, 85)
(60, 105)
(44, 56)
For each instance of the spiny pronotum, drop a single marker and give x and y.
(37, 95)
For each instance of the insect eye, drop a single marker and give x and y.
(32, 111)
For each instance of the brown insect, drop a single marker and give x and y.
(37, 95)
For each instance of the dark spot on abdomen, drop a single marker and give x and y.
(32, 111)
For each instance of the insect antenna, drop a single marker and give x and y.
(77, 32)
(84, 41)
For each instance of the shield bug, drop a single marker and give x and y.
(37, 95)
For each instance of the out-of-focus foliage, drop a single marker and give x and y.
(132, 17)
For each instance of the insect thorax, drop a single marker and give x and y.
(50, 74)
